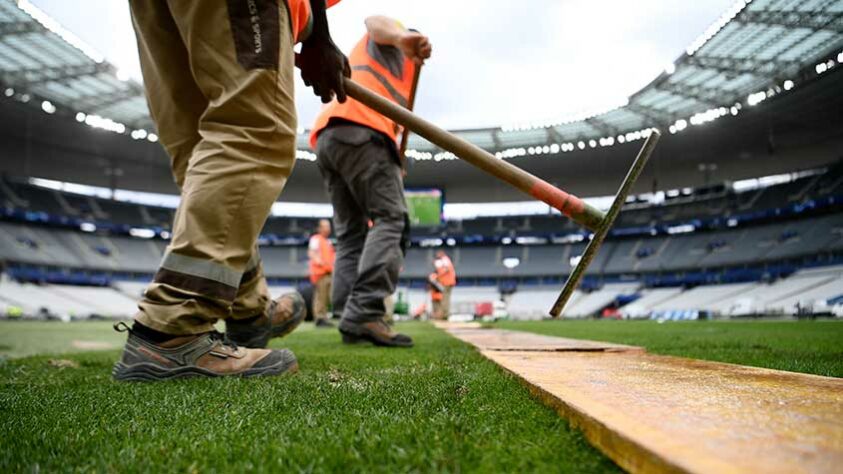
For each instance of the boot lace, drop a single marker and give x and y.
(223, 339)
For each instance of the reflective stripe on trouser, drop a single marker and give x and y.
(253, 294)
(360, 169)
(224, 108)
(321, 297)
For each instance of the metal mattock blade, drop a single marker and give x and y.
(597, 239)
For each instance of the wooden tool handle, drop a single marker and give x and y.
(405, 135)
(570, 205)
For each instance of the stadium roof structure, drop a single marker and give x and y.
(786, 61)
(755, 50)
(41, 60)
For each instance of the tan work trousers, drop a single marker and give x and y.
(445, 304)
(437, 310)
(219, 82)
(321, 297)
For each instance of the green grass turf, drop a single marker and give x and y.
(814, 347)
(25, 338)
(437, 407)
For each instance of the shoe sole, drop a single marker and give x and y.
(146, 372)
(260, 340)
(286, 328)
(351, 338)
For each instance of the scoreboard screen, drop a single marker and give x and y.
(425, 206)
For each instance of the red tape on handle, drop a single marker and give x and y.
(567, 204)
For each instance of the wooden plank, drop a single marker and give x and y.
(503, 340)
(446, 325)
(666, 414)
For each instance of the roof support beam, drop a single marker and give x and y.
(99, 102)
(657, 117)
(496, 139)
(19, 28)
(145, 124)
(815, 20)
(603, 127)
(553, 135)
(703, 95)
(35, 76)
(741, 66)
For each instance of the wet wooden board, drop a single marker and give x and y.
(653, 413)
(449, 325)
(503, 340)
(666, 414)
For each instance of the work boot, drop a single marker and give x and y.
(324, 323)
(202, 355)
(282, 317)
(377, 332)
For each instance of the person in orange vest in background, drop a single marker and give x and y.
(436, 290)
(358, 158)
(446, 275)
(320, 252)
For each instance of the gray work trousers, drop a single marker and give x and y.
(361, 171)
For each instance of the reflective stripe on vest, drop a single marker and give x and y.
(382, 69)
(394, 94)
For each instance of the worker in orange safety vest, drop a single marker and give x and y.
(358, 158)
(321, 255)
(436, 295)
(446, 275)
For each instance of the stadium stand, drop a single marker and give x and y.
(816, 288)
(105, 301)
(648, 298)
(806, 291)
(533, 303)
(719, 245)
(771, 236)
(36, 299)
(591, 303)
(701, 297)
(132, 289)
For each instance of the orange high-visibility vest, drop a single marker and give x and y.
(445, 271)
(382, 69)
(326, 254)
(301, 19)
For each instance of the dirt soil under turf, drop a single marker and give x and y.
(437, 407)
(813, 347)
